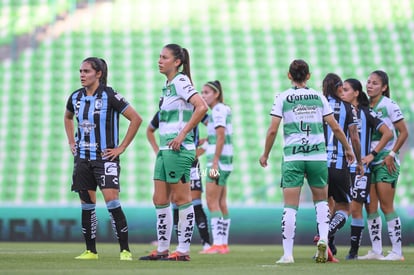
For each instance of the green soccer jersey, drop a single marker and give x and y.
(176, 111)
(220, 117)
(302, 111)
(389, 112)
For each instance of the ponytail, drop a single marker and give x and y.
(183, 55)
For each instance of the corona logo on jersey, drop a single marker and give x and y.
(293, 98)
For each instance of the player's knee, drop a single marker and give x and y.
(85, 197)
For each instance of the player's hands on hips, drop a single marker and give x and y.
(175, 144)
(112, 153)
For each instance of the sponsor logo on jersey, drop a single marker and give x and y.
(111, 168)
(303, 109)
(87, 126)
(88, 146)
(304, 149)
(119, 97)
(293, 97)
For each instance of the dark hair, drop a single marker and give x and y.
(183, 55)
(384, 80)
(99, 65)
(299, 70)
(216, 86)
(330, 85)
(357, 86)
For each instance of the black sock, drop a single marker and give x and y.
(89, 224)
(202, 224)
(175, 220)
(356, 236)
(336, 223)
(120, 227)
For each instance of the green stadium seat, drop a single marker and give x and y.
(250, 62)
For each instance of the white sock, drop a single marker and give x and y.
(216, 230)
(288, 230)
(394, 231)
(226, 230)
(185, 227)
(322, 219)
(375, 229)
(164, 228)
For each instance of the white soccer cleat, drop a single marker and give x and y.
(392, 256)
(371, 255)
(322, 252)
(286, 260)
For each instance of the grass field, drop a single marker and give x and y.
(58, 258)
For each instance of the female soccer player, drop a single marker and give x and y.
(195, 178)
(339, 178)
(96, 149)
(385, 169)
(219, 164)
(181, 110)
(304, 112)
(368, 123)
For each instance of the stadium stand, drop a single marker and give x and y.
(249, 55)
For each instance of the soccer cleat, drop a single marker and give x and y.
(286, 260)
(125, 255)
(331, 257)
(371, 255)
(206, 246)
(322, 253)
(316, 239)
(392, 256)
(224, 249)
(154, 256)
(214, 249)
(87, 255)
(351, 257)
(175, 256)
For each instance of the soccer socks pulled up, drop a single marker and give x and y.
(175, 218)
(202, 224)
(337, 222)
(394, 232)
(185, 227)
(288, 230)
(357, 227)
(216, 227)
(226, 229)
(375, 230)
(164, 226)
(119, 223)
(89, 224)
(322, 219)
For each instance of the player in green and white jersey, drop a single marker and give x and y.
(181, 110)
(219, 166)
(385, 169)
(304, 112)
